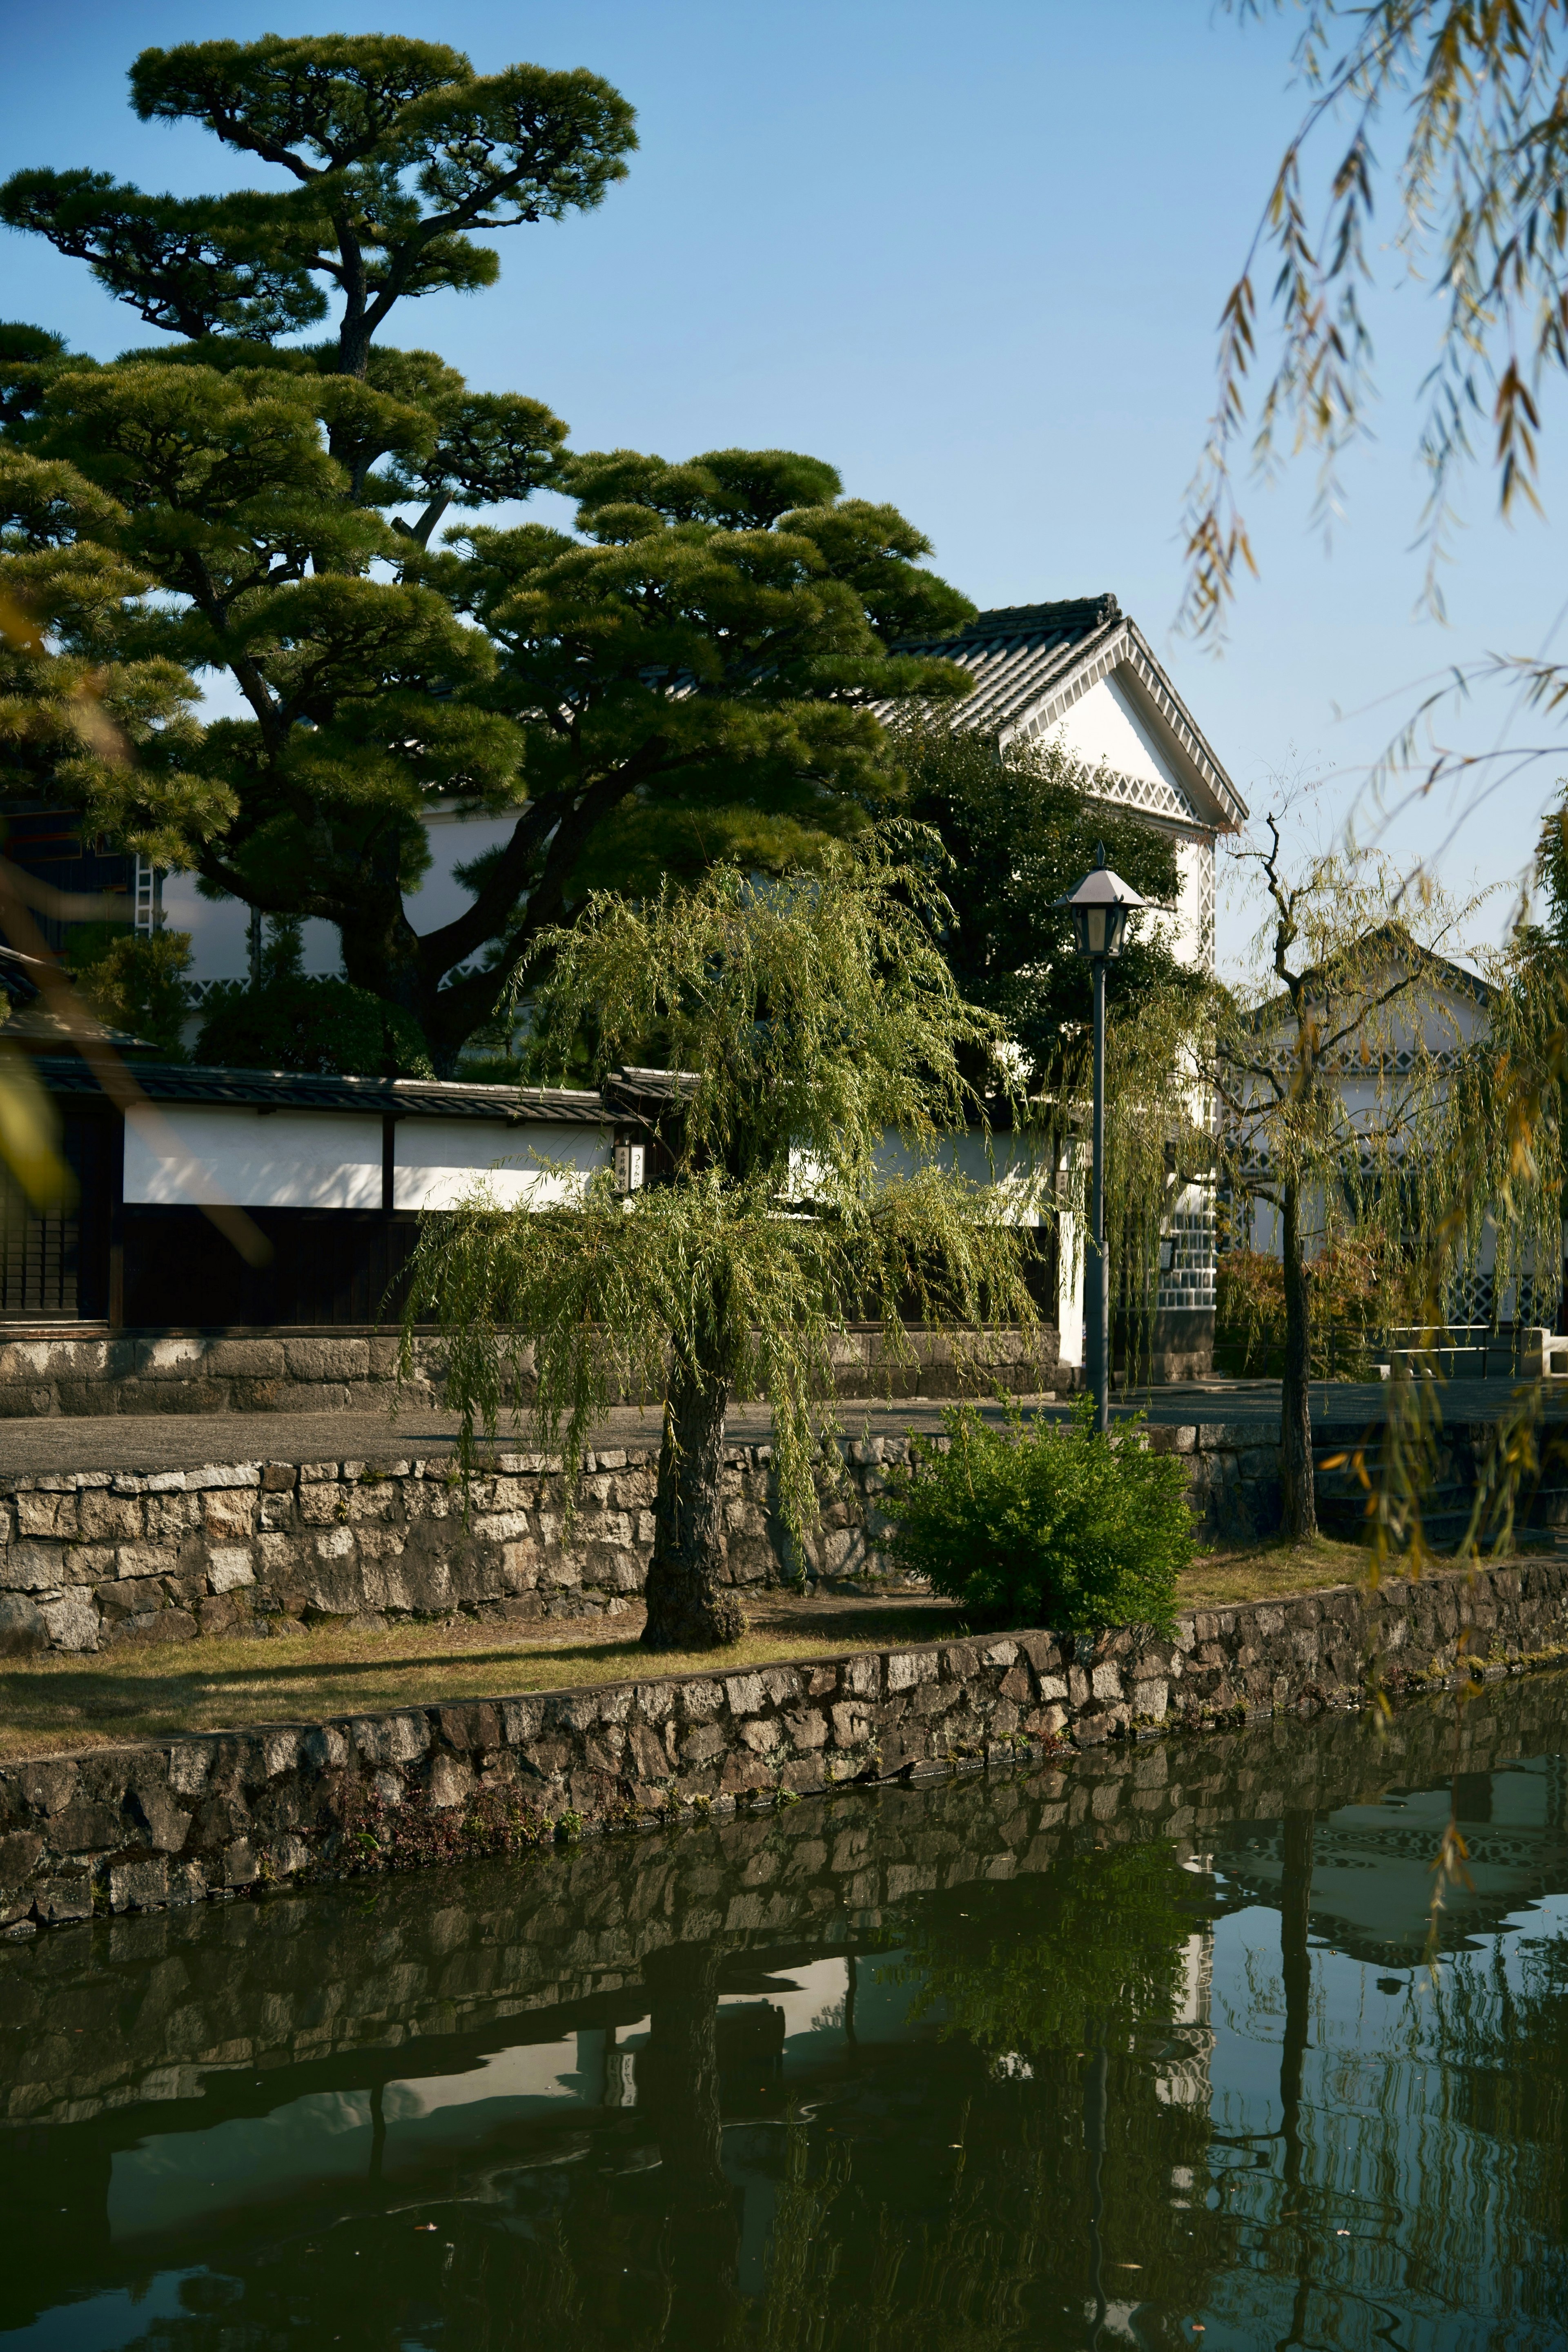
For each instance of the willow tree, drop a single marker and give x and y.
(813, 1049)
(1358, 1074)
(1451, 113)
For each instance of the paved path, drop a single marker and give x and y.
(176, 1441)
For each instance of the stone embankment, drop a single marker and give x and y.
(95, 1558)
(138, 1827)
(47, 1373)
(121, 2027)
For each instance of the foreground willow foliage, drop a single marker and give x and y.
(803, 1127)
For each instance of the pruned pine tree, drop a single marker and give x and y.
(1359, 1097)
(392, 153)
(818, 1047)
(691, 673)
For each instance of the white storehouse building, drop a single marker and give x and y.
(337, 1166)
(1083, 673)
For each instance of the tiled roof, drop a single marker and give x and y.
(1030, 663)
(286, 1090)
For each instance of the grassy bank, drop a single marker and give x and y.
(62, 1705)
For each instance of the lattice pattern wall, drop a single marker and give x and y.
(1208, 854)
(1188, 1282)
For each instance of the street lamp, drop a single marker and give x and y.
(1100, 907)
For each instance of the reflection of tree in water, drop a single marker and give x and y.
(938, 2199)
(1057, 1997)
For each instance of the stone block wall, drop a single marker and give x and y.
(139, 1828)
(95, 1558)
(46, 1374)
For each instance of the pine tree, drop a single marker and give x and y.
(689, 674)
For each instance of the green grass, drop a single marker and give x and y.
(62, 1705)
(146, 1691)
(1267, 1571)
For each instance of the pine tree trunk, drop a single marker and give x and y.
(1301, 1508)
(686, 1607)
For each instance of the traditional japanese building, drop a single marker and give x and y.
(1083, 673)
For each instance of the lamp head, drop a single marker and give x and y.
(1100, 907)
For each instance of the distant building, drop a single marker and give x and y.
(1083, 673)
(1385, 1069)
(1080, 671)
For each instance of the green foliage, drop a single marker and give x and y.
(1035, 1524)
(81, 700)
(399, 151)
(1087, 1952)
(135, 984)
(1352, 1293)
(814, 1016)
(639, 700)
(687, 676)
(325, 1028)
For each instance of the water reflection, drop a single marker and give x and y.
(1143, 2052)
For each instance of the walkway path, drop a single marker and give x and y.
(174, 1441)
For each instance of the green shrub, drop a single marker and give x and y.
(135, 982)
(325, 1028)
(1045, 1523)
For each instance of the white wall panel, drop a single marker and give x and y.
(273, 1160)
(1103, 724)
(332, 1160)
(440, 1160)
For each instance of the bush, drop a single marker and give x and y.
(1350, 1293)
(324, 1028)
(1046, 1524)
(133, 982)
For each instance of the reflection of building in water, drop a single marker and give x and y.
(1186, 2046)
(1372, 1867)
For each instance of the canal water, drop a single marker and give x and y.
(1168, 2047)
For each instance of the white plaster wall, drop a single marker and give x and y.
(454, 840)
(1069, 1290)
(276, 1160)
(220, 934)
(332, 1160)
(220, 928)
(438, 1162)
(1105, 725)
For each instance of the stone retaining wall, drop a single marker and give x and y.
(137, 1828)
(156, 2009)
(95, 1558)
(45, 1374)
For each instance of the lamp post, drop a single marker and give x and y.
(1100, 907)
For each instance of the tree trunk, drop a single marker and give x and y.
(678, 2089)
(687, 1609)
(1301, 1508)
(1295, 1967)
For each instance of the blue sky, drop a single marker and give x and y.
(975, 259)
